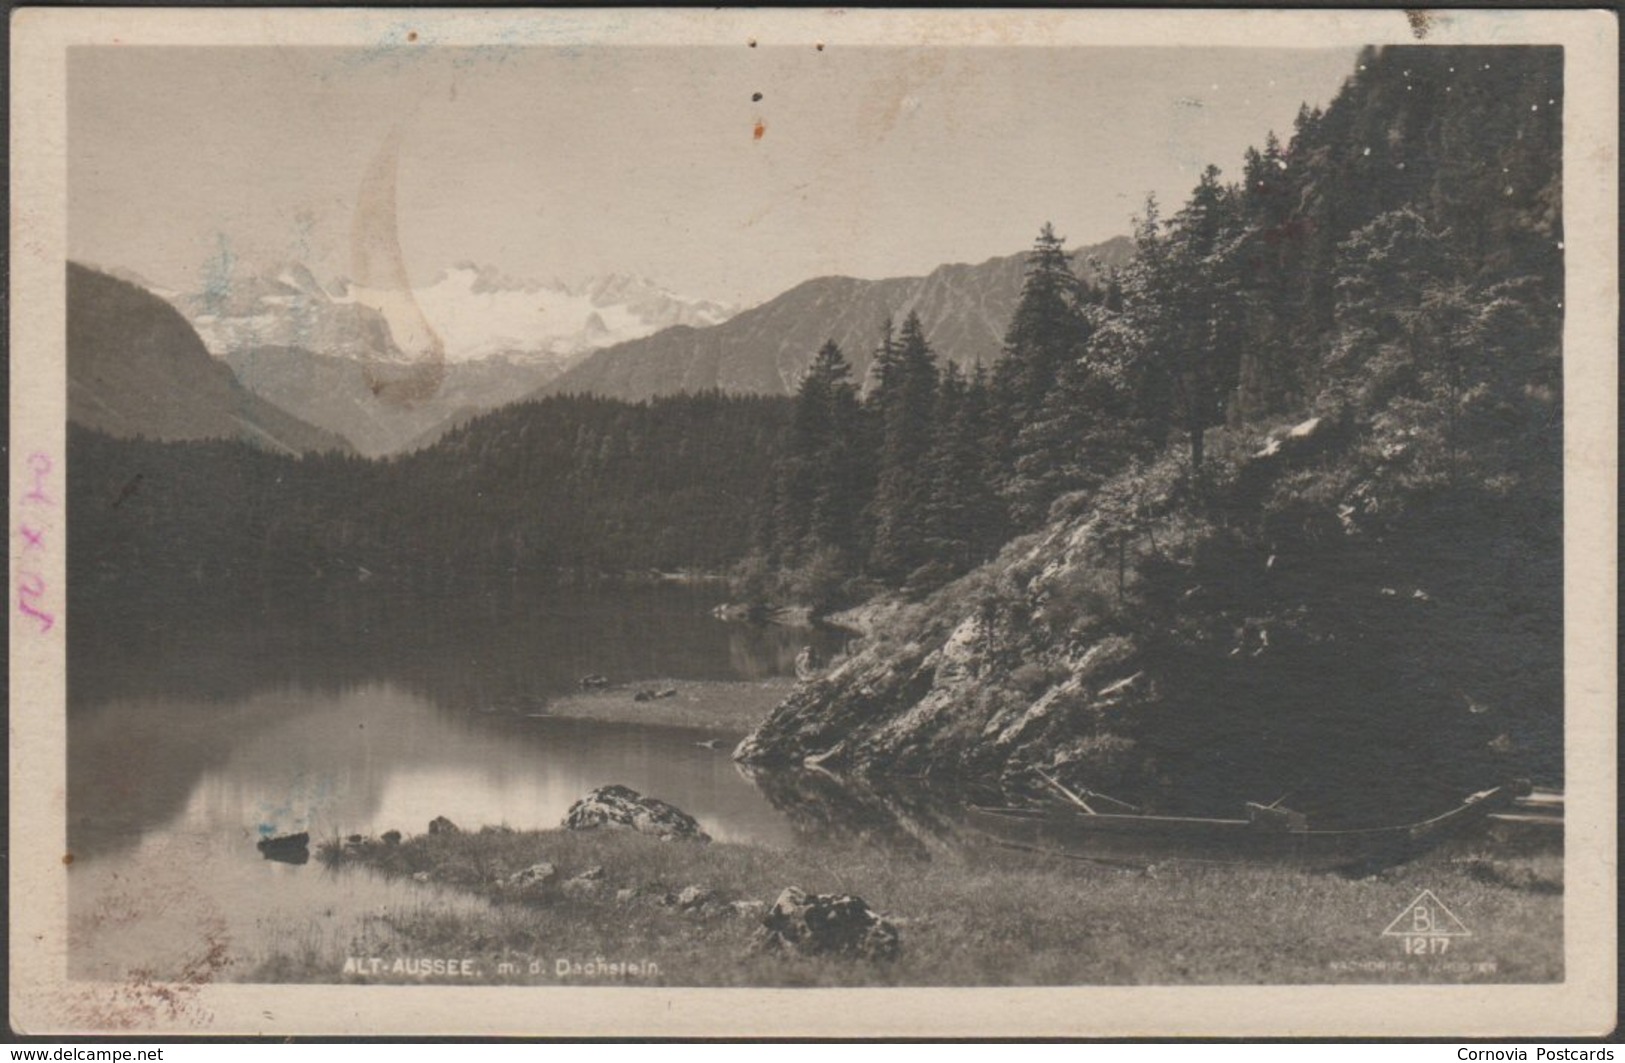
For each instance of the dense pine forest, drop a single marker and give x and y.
(554, 489)
(1397, 262)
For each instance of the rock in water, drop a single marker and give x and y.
(442, 825)
(813, 924)
(622, 807)
(286, 848)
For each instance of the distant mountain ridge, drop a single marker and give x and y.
(302, 344)
(137, 368)
(965, 310)
(284, 307)
(476, 311)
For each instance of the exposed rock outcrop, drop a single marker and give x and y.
(623, 808)
(821, 924)
(1190, 653)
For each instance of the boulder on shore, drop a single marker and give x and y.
(442, 825)
(624, 808)
(695, 897)
(533, 879)
(814, 924)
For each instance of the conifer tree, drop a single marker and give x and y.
(903, 400)
(840, 488)
(1186, 311)
(819, 490)
(1036, 381)
(965, 519)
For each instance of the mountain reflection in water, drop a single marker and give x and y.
(194, 733)
(374, 713)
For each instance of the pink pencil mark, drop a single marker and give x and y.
(42, 465)
(32, 540)
(30, 588)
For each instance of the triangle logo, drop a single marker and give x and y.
(1426, 916)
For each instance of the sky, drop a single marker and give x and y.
(555, 163)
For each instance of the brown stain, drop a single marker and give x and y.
(1421, 22)
(67, 859)
(143, 1000)
(378, 264)
(884, 109)
(759, 131)
(412, 36)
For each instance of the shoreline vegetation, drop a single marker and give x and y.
(614, 906)
(723, 706)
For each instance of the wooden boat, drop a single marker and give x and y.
(1267, 835)
(1533, 822)
(287, 848)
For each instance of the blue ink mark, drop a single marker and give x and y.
(217, 276)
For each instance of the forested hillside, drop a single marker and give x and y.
(136, 369)
(1289, 483)
(533, 492)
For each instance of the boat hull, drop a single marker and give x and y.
(1133, 840)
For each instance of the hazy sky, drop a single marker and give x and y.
(567, 162)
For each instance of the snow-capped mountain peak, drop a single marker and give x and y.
(474, 311)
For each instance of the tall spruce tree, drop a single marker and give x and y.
(965, 518)
(839, 471)
(903, 400)
(1187, 312)
(1038, 382)
(819, 485)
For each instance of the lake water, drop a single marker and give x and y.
(190, 737)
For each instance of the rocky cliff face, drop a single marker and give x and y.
(1295, 630)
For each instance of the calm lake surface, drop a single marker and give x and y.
(189, 738)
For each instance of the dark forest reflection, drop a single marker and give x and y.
(355, 712)
(510, 649)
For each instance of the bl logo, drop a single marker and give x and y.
(1426, 926)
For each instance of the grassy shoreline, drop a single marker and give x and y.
(971, 917)
(724, 706)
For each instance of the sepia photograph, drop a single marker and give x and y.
(523, 518)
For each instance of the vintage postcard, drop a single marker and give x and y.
(783, 523)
